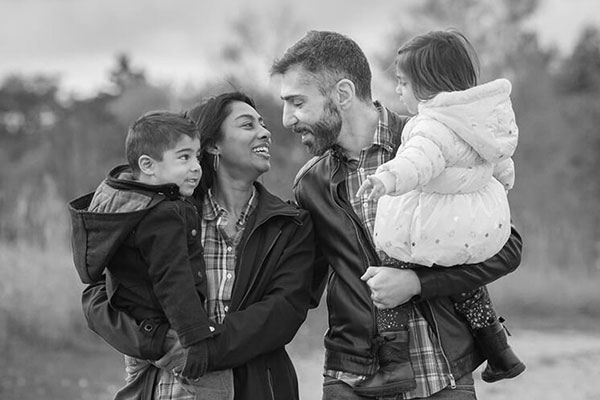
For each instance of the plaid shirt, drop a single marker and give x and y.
(427, 359)
(220, 258)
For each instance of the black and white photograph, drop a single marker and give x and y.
(283, 200)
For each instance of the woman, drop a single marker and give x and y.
(259, 253)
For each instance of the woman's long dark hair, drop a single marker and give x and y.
(209, 117)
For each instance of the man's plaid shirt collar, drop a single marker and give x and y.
(382, 136)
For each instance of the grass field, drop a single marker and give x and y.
(49, 353)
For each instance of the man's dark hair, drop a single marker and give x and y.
(328, 57)
(154, 133)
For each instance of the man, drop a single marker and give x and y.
(326, 93)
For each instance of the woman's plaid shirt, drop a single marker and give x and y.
(220, 259)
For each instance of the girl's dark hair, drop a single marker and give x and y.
(439, 61)
(209, 117)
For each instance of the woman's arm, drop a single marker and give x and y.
(123, 333)
(270, 321)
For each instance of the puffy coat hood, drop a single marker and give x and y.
(98, 229)
(482, 116)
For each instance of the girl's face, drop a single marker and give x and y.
(245, 150)
(405, 90)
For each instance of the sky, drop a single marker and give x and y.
(77, 40)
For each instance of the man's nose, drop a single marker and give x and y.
(288, 118)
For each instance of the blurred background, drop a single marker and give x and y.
(75, 73)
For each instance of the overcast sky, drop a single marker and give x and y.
(171, 39)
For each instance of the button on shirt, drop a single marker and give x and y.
(220, 253)
(428, 362)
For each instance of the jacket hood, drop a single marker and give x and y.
(101, 221)
(482, 116)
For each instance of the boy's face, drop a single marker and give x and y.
(180, 166)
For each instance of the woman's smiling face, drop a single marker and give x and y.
(245, 147)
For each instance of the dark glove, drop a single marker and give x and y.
(196, 361)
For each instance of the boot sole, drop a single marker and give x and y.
(512, 373)
(387, 390)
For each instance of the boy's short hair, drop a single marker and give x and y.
(329, 57)
(154, 133)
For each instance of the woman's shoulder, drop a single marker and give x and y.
(270, 203)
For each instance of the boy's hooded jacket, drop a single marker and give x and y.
(269, 302)
(144, 238)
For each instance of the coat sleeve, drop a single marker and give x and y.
(504, 172)
(270, 322)
(421, 158)
(443, 281)
(144, 340)
(162, 240)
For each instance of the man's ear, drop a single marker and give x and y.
(146, 164)
(345, 92)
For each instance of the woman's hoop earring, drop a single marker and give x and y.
(216, 161)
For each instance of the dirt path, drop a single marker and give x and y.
(559, 366)
(562, 365)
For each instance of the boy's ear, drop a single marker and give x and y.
(345, 92)
(146, 164)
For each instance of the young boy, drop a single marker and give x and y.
(140, 229)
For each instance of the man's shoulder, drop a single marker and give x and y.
(310, 167)
(396, 122)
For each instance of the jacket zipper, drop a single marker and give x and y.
(362, 246)
(437, 333)
(251, 283)
(270, 382)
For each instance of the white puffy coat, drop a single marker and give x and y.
(447, 185)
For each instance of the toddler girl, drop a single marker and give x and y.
(446, 190)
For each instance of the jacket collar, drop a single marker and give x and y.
(267, 206)
(121, 177)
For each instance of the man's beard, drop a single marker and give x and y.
(326, 131)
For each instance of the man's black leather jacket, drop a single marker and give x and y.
(346, 246)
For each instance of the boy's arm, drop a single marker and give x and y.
(176, 270)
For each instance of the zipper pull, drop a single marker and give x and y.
(452, 381)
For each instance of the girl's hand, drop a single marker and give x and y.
(373, 187)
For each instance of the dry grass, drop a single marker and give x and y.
(39, 294)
